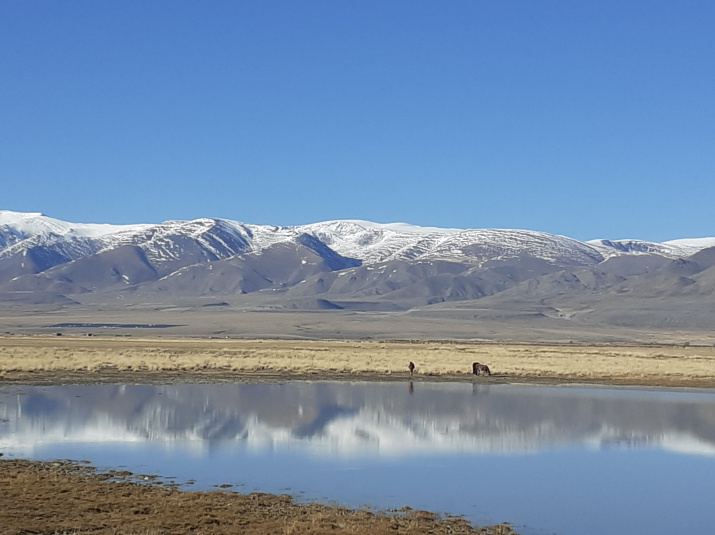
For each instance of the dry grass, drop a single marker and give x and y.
(97, 356)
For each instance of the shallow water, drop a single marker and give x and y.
(561, 460)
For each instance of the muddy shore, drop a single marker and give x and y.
(64, 497)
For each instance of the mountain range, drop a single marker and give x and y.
(357, 266)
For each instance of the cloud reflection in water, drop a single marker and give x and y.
(354, 419)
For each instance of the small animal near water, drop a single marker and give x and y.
(479, 369)
(411, 366)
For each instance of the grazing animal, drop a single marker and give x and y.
(478, 369)
(411, 366)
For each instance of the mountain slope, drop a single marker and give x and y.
(341, 264)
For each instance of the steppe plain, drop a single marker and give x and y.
(54, 348)
(140, 359)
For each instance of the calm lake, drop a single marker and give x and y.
(550, 460)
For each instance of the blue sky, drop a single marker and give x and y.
(588, 119)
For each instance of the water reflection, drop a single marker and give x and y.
(550, 460)
(345, 419)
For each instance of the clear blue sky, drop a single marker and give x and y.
(588, 119)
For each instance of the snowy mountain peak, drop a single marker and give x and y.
(691, 245)
(37, 251)
(363, 240)
(8, 217)
(673, 248)
(29, 224)
(400, 228)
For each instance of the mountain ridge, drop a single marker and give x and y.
(368, 241)
(354, 265)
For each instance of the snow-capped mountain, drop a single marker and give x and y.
(373, 243)
(363, 240)
(346, 263)
(47, 242)
(673, 249)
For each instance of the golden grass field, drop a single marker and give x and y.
(86, 359)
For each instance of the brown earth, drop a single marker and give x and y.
(63, 497)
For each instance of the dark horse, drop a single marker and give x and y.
(411, 367)
(478, 369)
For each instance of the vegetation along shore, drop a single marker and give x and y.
(81, 359)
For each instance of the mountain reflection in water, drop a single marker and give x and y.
(551, 460)
(351, 419)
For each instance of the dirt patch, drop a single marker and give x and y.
(63, 497)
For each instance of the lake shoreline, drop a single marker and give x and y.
(107, 499)
(168, 377)
(63, 496)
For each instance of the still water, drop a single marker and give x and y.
(559, 460)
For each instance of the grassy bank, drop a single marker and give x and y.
(33, 358)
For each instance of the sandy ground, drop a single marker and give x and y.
(460, 320)
(65, 359)
(62, 497)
